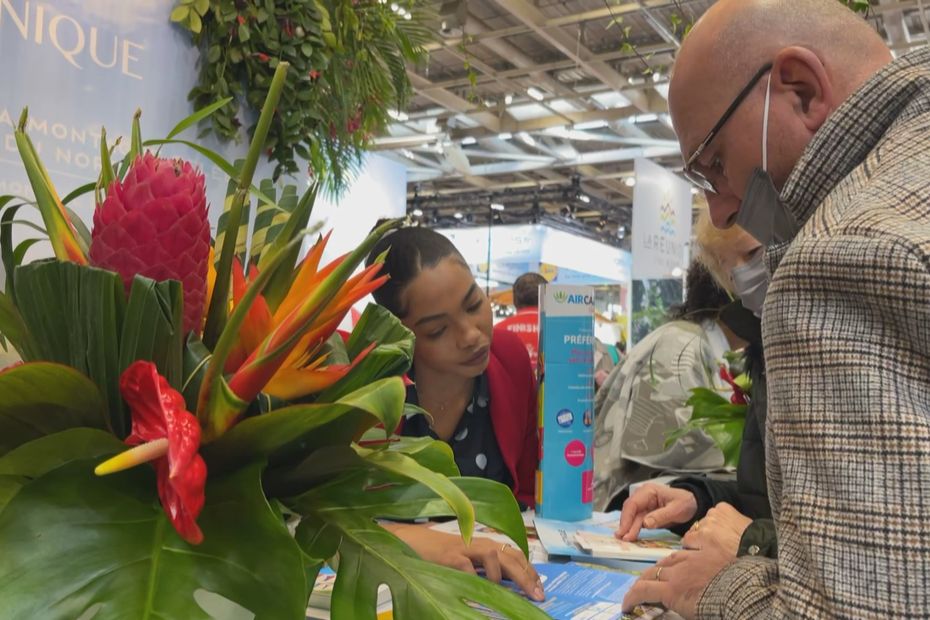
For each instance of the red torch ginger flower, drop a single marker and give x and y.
(154, 224)
(165, 433)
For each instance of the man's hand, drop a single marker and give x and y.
(678, 581)
(499, 561)
(723, 527)
(652, 506)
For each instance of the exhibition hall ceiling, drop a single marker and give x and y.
(521, 98)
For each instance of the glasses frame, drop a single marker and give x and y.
(697, 178)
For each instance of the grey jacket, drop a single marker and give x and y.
(846, 327)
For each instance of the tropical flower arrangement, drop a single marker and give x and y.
(189, 436)
(722, 418)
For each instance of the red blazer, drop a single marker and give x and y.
(512, 384)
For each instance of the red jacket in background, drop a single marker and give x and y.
(525, 326)
(512, 383)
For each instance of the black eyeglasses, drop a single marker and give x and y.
(696, 176)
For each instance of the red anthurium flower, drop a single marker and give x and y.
(739, 396)
(165, 433)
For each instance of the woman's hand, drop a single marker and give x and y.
(653, 506)
(499, 561)
(723, 527)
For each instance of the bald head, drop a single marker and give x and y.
(820, 52)
(738, 36)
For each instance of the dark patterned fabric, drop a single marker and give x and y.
(473, 443)
(846, 327)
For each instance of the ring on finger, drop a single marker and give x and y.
(696, 526)
(659, 573)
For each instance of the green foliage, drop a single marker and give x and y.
(348, 68)
(42, 398)
(859, 6)
(722, 420)
(126, 558)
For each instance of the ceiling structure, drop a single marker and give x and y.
(534, 110)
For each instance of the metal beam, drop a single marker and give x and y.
(449, 100)
(567, 45)
(591, 158)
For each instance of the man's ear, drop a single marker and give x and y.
(800, 72)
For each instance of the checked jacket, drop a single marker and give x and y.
(846, 327)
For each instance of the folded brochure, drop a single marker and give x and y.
(607, 546)
(560, 539)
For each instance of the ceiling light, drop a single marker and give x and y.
(535, 93)
(694, 191)
(458, 215)
(645, 118)
(408, 16)
(508, 99)
(505, 135)
(417, 212)
(591, 125)
(526, 138)
(657, 77)
(497, 206)
(469, 140)
(489, 103)
(677, 272)
(398, 115)
(394, 6)
(584, 198)
(629, 181)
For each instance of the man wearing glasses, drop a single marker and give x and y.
(798, 125)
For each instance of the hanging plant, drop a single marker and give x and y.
(348, 69)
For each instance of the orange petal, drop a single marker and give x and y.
(289, 383)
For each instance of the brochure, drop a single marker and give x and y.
(607, 546)
(559, 540)
(574, 592)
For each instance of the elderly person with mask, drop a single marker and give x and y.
(798, 124)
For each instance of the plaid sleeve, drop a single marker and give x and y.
(744, 589)
(848, 335)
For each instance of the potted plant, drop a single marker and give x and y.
(179, 404)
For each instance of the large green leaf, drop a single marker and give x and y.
(289, 433)
(391, 356)
(13, 328)
(400, 499)
(36, 458)
(370, 556)
(402, 465)
(153, 328)
(75, 315)
(73, 542)
(42, 398)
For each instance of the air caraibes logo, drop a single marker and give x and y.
(562, 297)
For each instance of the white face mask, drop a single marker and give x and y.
(762, 213)
(751, 283)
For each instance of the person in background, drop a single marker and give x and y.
(525, 323)
(800, 125)
(734, 515)
(643, 400)
(478, 388)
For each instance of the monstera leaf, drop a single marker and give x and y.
(340, 515)
(74, 544)
(400, 481)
